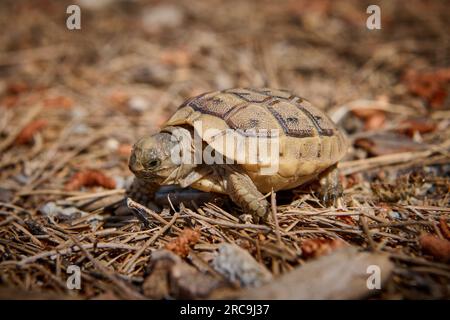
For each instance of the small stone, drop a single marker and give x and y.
(163, 16)
(395, 215)
(112, 144)
(156, 75)
(246, 218)
(51, 209)
(223, 81)
(121, 183)
(81, 128)
(21, 178)
(78, 113)
(138, 103)
(6, 195)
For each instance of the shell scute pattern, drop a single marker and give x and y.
(245, 109)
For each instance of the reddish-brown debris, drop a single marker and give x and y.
(89, 178)
(438, 248)
(429, 85)
(28, 132)
(444, 227)
(313, 248)
(181, 245)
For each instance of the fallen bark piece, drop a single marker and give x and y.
(438, 248)
(343, 274)
(172, 277)
(237, 265)
(186, 282)
(387, 143)
(156, 285)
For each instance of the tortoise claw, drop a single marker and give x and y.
(330, 195)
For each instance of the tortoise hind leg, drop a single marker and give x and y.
(331, 188)
(243, 192)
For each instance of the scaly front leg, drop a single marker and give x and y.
(143, 192)
(243, 192)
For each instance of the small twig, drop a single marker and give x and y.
(26, 118)
(419, 261)
(105, 245)
(366, 229)
(226, 223)
(275, 217)
(144, 210)
(96, 195)
(149, 242)
(111, 276)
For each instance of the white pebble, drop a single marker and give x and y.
(162, 16)
(112, 144)
(138, 103)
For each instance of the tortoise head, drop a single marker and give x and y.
(152, 159)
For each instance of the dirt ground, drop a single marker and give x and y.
(72, 103)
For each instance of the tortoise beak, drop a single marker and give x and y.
(135, 165)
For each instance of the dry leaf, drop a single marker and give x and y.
(421, 125)
(9, 101)
(28, 132)
(89, 178)
(375, 122)
(177, 57)
(58, 102)
(118, 98)
(387, 143)
(438, 248)
(429, 85)
(346, 219)
(17, 88)
(373, 119)
(444, 227)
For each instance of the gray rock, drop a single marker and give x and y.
(236, 264)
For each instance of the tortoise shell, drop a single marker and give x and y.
(308, 142)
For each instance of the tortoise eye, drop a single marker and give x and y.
(154, 163)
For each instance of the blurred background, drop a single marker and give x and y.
(133, 62)
(74, 100)
(140, 59)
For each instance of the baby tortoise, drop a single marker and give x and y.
(306, 145)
